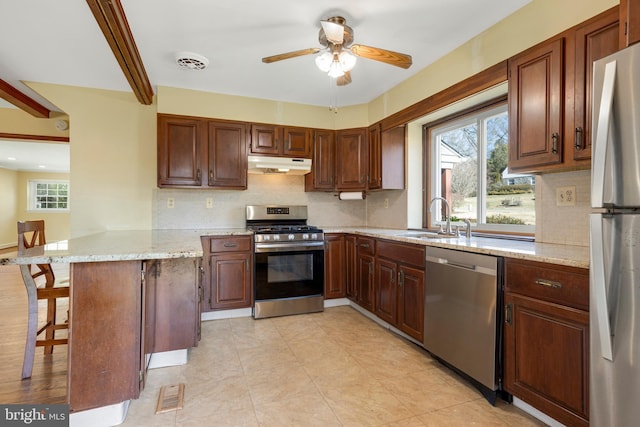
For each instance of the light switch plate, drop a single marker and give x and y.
(566, 196)
(209, 202)
(170, 203)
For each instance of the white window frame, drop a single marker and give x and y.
(32, 203)
(434, 179)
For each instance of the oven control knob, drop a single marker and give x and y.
(291, 237)
(266, 238)
(314, 236)
(276, 237)
(305, 236)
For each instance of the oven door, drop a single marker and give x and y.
(286, 270)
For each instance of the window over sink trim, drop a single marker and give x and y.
(471, 153)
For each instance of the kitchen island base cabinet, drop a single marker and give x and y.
(105, 334)
(546, 339)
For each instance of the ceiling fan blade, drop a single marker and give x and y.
(345, 79)
(288, 55)
(334, 32)
(387, 56)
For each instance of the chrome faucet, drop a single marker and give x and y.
(467, 232)
(448, 230)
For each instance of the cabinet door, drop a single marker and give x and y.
(227, 155)
(386, 290)
(231, 280)
(594, 40)
(351, 160)
(265, 139)
(322, 173)
(630, 20)
(172, 285)
(546, 356)
(296, 142)
(535, 106)
(350, 267)
(411, 301)
(374, 181)
(334, 266)
(392, 143)
(365, 281)
(179, 151)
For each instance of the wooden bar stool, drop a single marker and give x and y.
(40, 284)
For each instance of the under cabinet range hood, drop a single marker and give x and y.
(278, 165)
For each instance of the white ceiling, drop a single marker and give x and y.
(34, 156)
(60, 42)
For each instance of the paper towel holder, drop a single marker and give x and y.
(351, 195)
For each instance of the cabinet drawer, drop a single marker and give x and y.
(366, 246)
(550, 282)
(406, 254)
(230, 244)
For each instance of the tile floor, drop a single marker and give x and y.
(335, 368)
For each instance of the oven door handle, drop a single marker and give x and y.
(288, 247)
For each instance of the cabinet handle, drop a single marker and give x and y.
(364, 245)
(230, 245)
(400, 278)
(578, 143)
(507, 314)
(370, 269)
(554, 142)
(210, 175)
(198, 174)
(548, 283)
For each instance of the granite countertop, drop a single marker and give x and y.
(573, 256)
(159, 244)
(121, 246)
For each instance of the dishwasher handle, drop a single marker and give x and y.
(452, 263)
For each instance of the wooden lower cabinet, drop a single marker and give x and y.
(173, 294)
(546, 339)
(105, 333)
(350, 244)
(334, 266)
(399, 286)
(365, 267)
(228, 272)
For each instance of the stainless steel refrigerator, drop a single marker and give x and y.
(615, 241)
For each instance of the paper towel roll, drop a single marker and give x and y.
(351, 195)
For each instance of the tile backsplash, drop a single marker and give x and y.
(568, 225)
(228, 208)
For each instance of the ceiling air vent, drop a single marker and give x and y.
(191, 61)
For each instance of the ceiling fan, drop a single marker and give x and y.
(339, 54)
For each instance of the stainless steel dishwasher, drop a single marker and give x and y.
(462, 293)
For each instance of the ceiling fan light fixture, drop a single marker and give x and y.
(335, 70)
(323, 61)
(347, 60)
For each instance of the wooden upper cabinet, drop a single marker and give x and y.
(536, 106)
(180, 143)
(392, 153)
(629, 30)
(594, 39)
(374, 181)
(352, 160)
(227, 159)
(285, 141)
(323, 167)
(197, 152)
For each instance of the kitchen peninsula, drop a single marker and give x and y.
(108, 294)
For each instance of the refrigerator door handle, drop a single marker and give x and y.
(602, 136)
(598, 287)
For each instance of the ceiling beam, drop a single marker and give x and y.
(22, 101)
(47, 138)
(112, 21)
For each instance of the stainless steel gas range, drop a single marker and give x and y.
(289, 261)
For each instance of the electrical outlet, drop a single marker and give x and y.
(566, 196)
(209, 202)
(386, 203)
(171, 203)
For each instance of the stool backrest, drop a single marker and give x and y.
(31, 234)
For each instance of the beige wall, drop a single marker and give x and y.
(113, 137)
(8, 207)
(14, 120)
